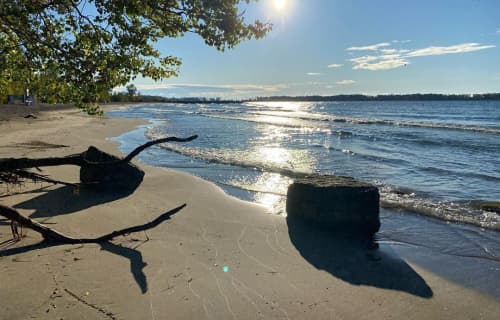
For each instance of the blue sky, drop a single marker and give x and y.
(330, 47)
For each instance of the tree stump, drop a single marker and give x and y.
(104, 171)
(341, 204)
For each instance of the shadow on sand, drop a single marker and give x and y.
(137, 264)
(350, 260)
(65, 200)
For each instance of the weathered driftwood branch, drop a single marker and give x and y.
(97, 168)
(57, 237)
(139, 149)
(80, 159)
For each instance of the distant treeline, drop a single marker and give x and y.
(386, 97)
(125, 97)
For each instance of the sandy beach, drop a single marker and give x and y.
(218, 258)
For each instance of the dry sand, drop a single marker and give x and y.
(274, 271)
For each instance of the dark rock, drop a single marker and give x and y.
(337, 203)
(102, 171)
(30, 116)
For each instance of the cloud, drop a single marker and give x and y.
(335, 65)
(372, 47)
(313, 74)
(345, 82)
(383, 64)
(363, 59)
(459, 48)
(389, 51)
(391, 58)
(498, 31)
(401, 41)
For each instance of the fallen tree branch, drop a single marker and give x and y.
(139, 149)
(79, 159)
(102, 167)
(52, 235)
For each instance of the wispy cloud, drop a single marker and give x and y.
(382, 64)
(498, 31)
(389, 51)
(345, 82)
(459, 48)
(335, 65)
(313, 74)
(391, 58)
(401, 41)
(371, 47)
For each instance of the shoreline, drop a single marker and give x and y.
(273, 272)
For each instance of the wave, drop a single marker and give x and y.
(308, 118)
(446, 141)
(277, 121)
(442, 171)
(322, 117)
(459, 212)
(392, 198)
(465, 212)
(251, 188)
(233, 157)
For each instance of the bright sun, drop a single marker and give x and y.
(279, 4)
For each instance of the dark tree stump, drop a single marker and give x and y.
(341, 204)
(104, 171)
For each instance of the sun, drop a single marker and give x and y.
(279, 4)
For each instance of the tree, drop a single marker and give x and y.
(85, 48)
(131, 90)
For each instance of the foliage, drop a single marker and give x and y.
(131, 89)
(77, 51)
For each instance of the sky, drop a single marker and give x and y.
(329, 47)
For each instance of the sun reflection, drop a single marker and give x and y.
(275, 155)
(276, 186)
(281, 161)
(275, 120)
(282, 105)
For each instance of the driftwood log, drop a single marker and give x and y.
(98, 170)
(54, 236)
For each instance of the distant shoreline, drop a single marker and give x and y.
(317, 98)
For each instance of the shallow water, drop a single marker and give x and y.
(432, 158)
(433, 162)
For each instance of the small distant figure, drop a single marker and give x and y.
(28, 101)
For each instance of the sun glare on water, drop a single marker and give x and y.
(279, 4)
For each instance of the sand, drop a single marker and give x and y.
(218, 258)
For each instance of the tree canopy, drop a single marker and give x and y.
(77, 51)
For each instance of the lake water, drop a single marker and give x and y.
(435, 162)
